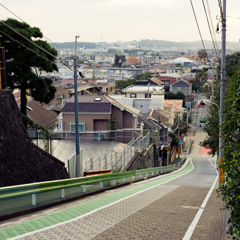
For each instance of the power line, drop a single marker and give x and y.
(32, 42)
(210, 29)
(197, 25)
(26, 47)
(27, 23)
(221, 10)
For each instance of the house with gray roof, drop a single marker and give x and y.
(100, 117)
(181, 86)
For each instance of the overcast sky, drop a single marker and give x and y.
(122, 20)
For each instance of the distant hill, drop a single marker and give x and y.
(146, 43)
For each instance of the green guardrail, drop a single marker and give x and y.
(16, 198)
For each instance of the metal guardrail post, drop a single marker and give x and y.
(63, 193)
(106, 163)
(34, 200)
(115, 159)
(84, 188)
(91, 163)
(124, 158)
(111, 161)
(101, 185)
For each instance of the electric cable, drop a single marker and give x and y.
(26, 47)
(32, 42)
(198, 25)
(221, 11)
(214, 45)
(27, 23)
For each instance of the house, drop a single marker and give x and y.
(134, 61)
(167, 81)
(41, 115)
(150, 82)
(99, 117)
(181, 86)
(138, 91)
(95, 88)
(171, 108)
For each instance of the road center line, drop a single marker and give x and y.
(194, 223)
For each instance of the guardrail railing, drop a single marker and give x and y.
(117, 160)
(18, 198)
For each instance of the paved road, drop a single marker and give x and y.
(182, 205)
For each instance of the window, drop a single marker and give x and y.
(96, 136)
(81, 127)
(178, 88)
(60, 96)
(166, 83)
(147, 95)
(132, 95)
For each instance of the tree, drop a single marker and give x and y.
(143, 76)
(202, 54)
(200, 79)
(121, 84)
(23, 65)
(178, 95)
(230, 189)
(119, 60)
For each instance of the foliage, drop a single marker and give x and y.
(119, 60)
(111, 50)
(112, 126)
(183, 127)
(178, 95)
(133, 51)
(23, 65)
(230, 189)
(174, 141)
(121, 84)
(200, 79)
(212, 130)
(30, 124)
(143, 76)
(202, 54)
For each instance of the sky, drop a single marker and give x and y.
(122, 20)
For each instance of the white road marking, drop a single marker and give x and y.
(194, 223)
(98, 209)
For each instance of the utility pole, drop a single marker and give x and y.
(158, 138)
(77, 173)
(178, 136)
(223, 82)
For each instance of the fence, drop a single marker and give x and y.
(17, 198)
(117, 161)
(71, 164)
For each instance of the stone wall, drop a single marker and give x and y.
(143, 159)
(21, 161)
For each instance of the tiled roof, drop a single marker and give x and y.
(124, 105)
(154, 114)
(100, 107)
(90, 99)
(182, 83)
(176, 104)
(40, 115)
(157, 81)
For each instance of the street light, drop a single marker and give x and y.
(208, 102)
